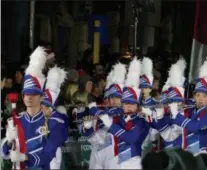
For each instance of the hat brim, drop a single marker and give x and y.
(145, 85)
(117, 95)
(46, 103)
(165, 101)
(129, 101)
(175, 100)
(32, 92)
(202, 90)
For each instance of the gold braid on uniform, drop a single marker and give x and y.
(45, 128)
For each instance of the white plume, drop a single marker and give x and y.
(133, 76)
(166, 85)
(37, 62)
(63, 76)
(203, 70)
(119, 74)
(182, 64)
(55, 78)
(175, 76)
(109, 78)
(147, 66)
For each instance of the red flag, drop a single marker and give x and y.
(13, 97)
(199, 45)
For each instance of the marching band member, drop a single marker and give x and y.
(41, 144)
(105, 149)
(146, 83)
(174, 135)
(90, 128)
(161, 118)
(55, 78)
(196, 123)
(115, 93)
(130, 130)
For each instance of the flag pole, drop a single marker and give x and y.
(32, 24)
(96, 42)
(136, 11)
(193, 64)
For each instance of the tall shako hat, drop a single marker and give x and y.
(176, 81)
(55, 78)
(108, 83)
(146, 80)
(34, 79)
(117, 82)
(201, 82)
(131, 92)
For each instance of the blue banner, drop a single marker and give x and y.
(103, 29)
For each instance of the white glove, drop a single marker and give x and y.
(74, 111)
(128, 118)
(174, 109)
(10, 123)
(93, 104)
(87, 122)
(11, 131)
(80, 110)
(16, 156)
(147, 111)
(159, 113)
(62, 110)
(11, 134)
(106, 120)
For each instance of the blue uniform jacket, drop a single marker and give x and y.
(90, 132)
(129, 141)
(196, 124)
(41, 148)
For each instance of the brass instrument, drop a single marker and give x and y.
(89, 118)
(180, 107)
(186, 106)
(86, 105)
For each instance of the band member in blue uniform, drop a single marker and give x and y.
(55, 78)
(130, 130)
(146, 84)
(41, 144)
(105, 150)
(196, 123)
(173, 91)
(174, 135)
